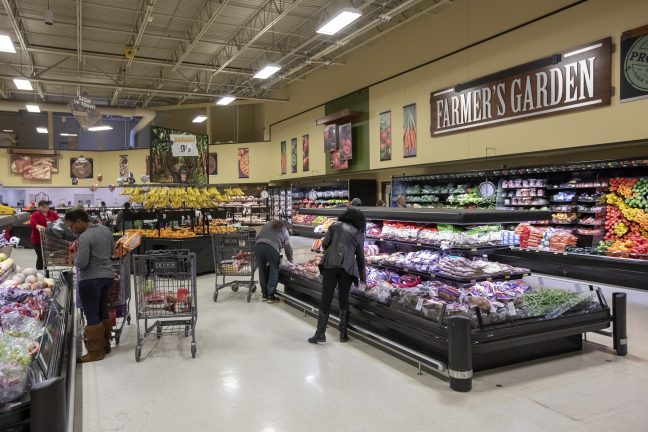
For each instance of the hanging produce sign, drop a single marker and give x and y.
(572, 81)
(84, 111)
(634, 64)
(184, 145)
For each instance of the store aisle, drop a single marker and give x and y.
(255, 372)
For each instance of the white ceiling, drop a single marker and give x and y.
(187, 51)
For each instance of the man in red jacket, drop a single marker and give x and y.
(38, 222)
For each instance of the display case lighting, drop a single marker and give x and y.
(23, 84)
(6, 44)
(345, 17)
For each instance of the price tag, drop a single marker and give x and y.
(184, 145)
(419, 304)
(510, 308)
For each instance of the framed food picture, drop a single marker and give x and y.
(346, 144)
(34, 167)
(284, 160)
(244, 162)
(305, 150)
(385, 136)
(212, 164)
(81, 168)
(409, 130)
(337, 162)
(330, 138)
(293, 155)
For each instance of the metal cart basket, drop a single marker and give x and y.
(165, 291)
(234, 257)
(57, 255)
(120, 295)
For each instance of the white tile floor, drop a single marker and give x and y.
(255, 372)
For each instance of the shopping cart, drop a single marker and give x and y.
(58, 254)
(165, 291)
(234, 257)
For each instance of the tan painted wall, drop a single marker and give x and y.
(423, 39)
(591, 21)
(262, 160)
(105, 163)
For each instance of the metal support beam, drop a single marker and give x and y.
(268, 15)
(140, 27)
(197, 30)
(4, 91)
(79, 25)
(10, 8)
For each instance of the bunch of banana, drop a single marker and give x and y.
(136, 195)
(6, 210)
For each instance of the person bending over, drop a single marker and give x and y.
(269, 242)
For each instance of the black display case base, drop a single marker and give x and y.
(200, 245)
(306, 231)
(490, 348)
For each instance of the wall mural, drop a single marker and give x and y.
(212, 164)
(293, 155)
(244, 162)
(305, 150)
(284, 160)
(409, 130)
(345, 142)
(330, 138)
(385, 136)
(34, 167)
(178, 157)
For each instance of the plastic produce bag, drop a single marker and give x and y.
(15, 358)
(18, 325)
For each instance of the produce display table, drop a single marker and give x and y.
(201, 245)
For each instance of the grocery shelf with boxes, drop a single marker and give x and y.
(426, 266)
(456, 190)
(326, 194)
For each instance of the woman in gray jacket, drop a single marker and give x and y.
(343, 263)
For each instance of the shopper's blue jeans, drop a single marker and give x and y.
(268, 260)
(94, 299)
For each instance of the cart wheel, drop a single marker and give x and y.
(215, 296)
(235, 287)
(116, 340)
(193, 350)
(187, 330)
(138, 353)
(128, 319)
(249, 296)
(253, 288)
(159, 331)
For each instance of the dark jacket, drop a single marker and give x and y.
(344, 248)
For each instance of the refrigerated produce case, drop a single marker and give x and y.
(46, 403)
(412, 312)
(327, 195)
(280, 204)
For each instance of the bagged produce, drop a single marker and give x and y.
(18, 325)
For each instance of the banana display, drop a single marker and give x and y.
(6, 210)
(179, 197)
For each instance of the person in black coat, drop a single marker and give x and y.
(343, 264)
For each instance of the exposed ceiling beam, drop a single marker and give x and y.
(120, 58)
(4, 92)
(10, 8)
(268, 15)
(140, 28)
(197, 30)
(178, 93)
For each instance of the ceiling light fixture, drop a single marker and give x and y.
(42, 130)
(7, 130)
(345, 17)
(99, 128)
(199, 119)
(226, 100)
(23, 84)
(267, 71)
(64, 134)
(32, 108)
(6, 44)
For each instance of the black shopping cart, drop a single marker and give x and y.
(165, 292)
(234, 257)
